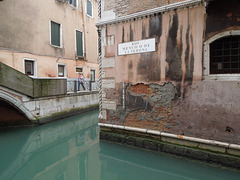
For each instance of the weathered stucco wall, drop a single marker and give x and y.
(164, 90)
(222, 16)
(25, 33)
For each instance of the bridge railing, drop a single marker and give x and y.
(72, 85)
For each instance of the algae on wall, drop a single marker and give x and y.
(17, 81)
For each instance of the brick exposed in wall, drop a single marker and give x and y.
(125, 7)
(146, 106)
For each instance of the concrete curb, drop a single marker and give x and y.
(179, 137)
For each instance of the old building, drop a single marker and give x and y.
(50, 38)
(171, 66)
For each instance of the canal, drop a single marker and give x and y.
(70, 149)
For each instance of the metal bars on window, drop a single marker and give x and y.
(225, 55)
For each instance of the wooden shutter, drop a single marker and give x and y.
(55, 34)
(79, 41)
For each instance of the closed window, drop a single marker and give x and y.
(29, 67)
(79, 70)
(61, 70)
(92, 75)
(225, 55)
(73, 2)
(55, 34)
(222, 56)
(89, 8)
(79, 43)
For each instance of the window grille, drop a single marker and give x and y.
(225, 55)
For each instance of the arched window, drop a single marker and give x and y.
(222, 56)
(89, 8)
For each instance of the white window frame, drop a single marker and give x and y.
(34, 66)
(50, 30)
(78, 67)
(94, 74)
(206, 59)
(65, 70)
(86, 9)
(73, 5)
(82, 43)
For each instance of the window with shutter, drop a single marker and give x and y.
(79, 43)
(55, 34)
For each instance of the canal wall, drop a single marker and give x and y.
(210, 151)
(43, 109)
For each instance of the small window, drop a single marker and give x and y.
(61, 70)
(92, 75)
(79, 69)
(79, 43)
(89, 8)
(55, 34)
(29, 67)
(73, 2)
(225, 55)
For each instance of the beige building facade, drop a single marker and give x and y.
(49, 38)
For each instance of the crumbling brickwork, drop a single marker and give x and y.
(125, 7)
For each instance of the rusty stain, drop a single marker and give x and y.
(180, 136)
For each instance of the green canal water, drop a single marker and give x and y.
(70, 150)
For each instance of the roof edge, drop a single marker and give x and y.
(149, 12)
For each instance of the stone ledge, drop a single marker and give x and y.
(209, 153)
(65, 114)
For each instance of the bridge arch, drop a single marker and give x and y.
(12, 106)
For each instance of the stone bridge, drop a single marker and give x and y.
(25, 100)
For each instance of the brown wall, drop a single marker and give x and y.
(222, 16)
(165, 89)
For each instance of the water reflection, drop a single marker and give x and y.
(61, 150)
(122, 163)
(70, 150)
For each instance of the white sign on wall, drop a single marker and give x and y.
(134, 47)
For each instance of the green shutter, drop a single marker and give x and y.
(79, 41)
(55, 34)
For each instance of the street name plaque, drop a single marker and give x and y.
(135, 47)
